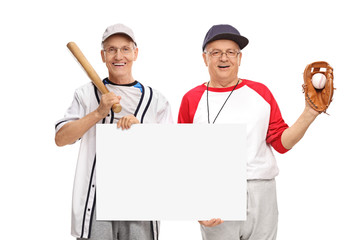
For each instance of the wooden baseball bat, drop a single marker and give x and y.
(90, 71)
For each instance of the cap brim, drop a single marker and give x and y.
(240, 40)
(120, 33)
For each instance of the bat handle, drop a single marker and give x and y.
(116, 107)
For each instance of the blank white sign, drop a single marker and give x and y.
(171, 172)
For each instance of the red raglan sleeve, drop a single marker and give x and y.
(184, 116)
(277, 124)
(276, 127)
(189, 104)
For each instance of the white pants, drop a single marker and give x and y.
(262, 216)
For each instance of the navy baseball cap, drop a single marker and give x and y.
(225, 31)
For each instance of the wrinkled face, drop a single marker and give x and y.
(119, 54)
(222, 67)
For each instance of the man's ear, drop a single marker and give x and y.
(205, 59)
(103, 55)
(136, 51)
(239, 60)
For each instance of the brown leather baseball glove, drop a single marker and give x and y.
(318, 99)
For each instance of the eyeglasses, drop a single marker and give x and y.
(114, 50)
(231, 53)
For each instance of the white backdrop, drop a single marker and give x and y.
(318, 185)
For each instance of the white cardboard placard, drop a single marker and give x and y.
(171, 172)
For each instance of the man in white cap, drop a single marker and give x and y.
(226, 98)
(140, 104)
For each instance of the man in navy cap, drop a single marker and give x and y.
(226, 98)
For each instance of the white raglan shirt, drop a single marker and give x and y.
(252, 104)
(147, 104)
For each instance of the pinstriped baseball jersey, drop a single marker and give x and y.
(251, 103)
(147, 104)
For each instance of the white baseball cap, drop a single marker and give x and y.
(118, 29)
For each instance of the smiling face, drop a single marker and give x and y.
(119, 53)
(222, 69)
